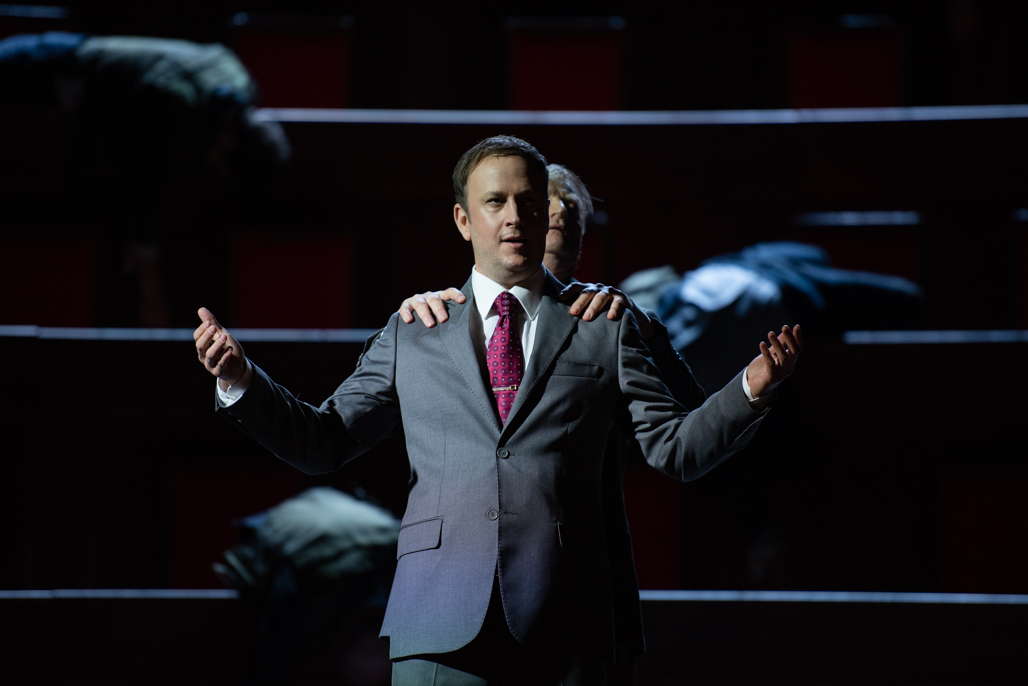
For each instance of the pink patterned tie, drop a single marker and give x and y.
(505, 358)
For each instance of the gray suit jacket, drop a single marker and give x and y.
(524, 501)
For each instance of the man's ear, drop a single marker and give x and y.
(461, 219)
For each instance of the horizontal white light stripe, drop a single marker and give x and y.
(120, 594)
(644, 118)
(867, 597)
(933, 337)
(34, 11)
(246, 335)
(860, 218)
(361, 335)
(836, 597)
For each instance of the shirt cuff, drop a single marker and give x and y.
(229, 396)
(745, 388)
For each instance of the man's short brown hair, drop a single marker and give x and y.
(496, 146)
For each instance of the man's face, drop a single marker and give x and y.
(564, 237)
(505, 219)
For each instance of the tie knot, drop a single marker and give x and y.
(504, 301)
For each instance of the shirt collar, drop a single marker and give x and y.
(486, 290)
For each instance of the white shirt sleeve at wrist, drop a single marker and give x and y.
(228, 397)
(234, 392)
(745, 388)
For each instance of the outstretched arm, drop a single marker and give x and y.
(361, 411)
(687, 444)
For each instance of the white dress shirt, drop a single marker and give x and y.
(486, 291)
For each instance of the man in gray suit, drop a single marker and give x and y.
(570, 210)
(503, 574)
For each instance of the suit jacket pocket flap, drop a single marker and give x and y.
(423, 535)
(573, 368)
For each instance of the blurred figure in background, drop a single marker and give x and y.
(316, 569)
(152, 125)
(729, 296)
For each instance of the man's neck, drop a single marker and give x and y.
(528, 294)
(532, 282)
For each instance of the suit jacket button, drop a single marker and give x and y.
(503, 453)
(492, 514)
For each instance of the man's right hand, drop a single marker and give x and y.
(429, 306)
(218, 351)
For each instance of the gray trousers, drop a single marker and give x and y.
(418, 672)
(494, 658)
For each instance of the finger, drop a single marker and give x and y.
(204, 341)
(198, 331)
(765, 352)
(452, 294)
(581, 302)
(405, 312)
(617, 306)
(777, 349)
(598, 304)
(777, 352)
(798, 335)
(423, 311)
(207, 316)
(231, 343)
(223, 361)
(438, 308)
(786, 337)
(425, 314)
(214, 352)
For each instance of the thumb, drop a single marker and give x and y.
(453, 294)
(206, 316)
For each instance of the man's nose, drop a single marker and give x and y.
(512, 213)
(558, 213)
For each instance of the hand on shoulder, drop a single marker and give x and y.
(590, 300)
(430, 306)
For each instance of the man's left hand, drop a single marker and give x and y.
(593, 298)
(776, 361)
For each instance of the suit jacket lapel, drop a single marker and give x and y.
(554, 325)
(457, 339)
